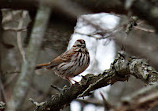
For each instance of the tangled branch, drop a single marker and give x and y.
(120, 70)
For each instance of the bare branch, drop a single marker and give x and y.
(107, 105)
(146, 10)
(134, 47)
(24, 80)
(90, 101)
(141, 100)
(19, 41)
(142, 8)
(144, 29)
(118, 72)
(2, 92)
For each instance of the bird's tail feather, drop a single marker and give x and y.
(39, 66)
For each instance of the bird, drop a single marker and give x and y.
(70, 63)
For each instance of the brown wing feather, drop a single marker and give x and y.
(65, 57)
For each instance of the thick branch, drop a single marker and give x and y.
(120, 70)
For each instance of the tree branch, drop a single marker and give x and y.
(134, 48)
(141, 100)
(22, 85)
(146, 10)
(142, 8)
(120, 70)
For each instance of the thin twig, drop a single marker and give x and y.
(144, 29)
(2, 91)
(10, 79)
(107, 105)
(15, 29)
(19, 41)
(90, 101)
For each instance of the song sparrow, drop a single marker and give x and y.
(71, 63)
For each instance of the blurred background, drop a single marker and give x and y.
(60, 35)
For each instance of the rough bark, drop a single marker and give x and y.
(120, 70)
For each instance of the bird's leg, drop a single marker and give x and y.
(74, 81)
(69, 79)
